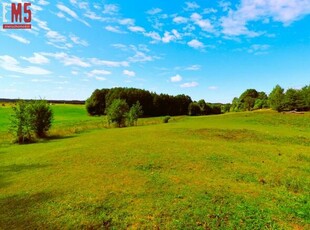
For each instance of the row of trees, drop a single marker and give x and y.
(152, 104)
(278, 99)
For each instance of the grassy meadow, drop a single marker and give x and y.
(247, 170)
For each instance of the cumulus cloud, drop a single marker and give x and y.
(191, 6)
(284, 11)
(196, 44)
(129, 73)
(176, 78)
(136, 29)
(98, 72)
(154, 11)
(180, 20)
(204, 24)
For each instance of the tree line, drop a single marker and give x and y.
(278, 99)
(152, 104)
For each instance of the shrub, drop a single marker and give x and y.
(20, 126)
(166, 119)
(117, 112)
(30, 119)
(41, 116)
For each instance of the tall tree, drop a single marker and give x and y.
(276, 98)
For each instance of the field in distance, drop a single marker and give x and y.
(234, 171)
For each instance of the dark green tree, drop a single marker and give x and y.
(96, 104)
(194, 109)
(292, 99)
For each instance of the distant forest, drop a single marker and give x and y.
(163, 104)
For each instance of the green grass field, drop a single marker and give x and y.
(234, 171)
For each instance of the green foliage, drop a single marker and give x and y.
(194, 109)
(96, 104)
(292, 99)
(21, 123)
(29, 119)
(134, 113)
(117, 112)
(41, 116)
(166, 119)
(276, 98)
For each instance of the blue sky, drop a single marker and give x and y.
(212, 50)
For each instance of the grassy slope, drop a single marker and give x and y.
(244, 170)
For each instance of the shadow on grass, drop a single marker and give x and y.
(7, 171)
(57, 137)
(25, 211)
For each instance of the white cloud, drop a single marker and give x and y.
(114, 29)
(71, 13)
(171, 36)
(127, 21)
(140, 57)
(176, 78)
(110, 9)
(196, 44)
(204, 24)
(19, 38)
(41, 24)
(258, 49)
(11, 64)
(213, 88)
(189, 85)
(96, 61)
(100, 78)
(37, 59)
(154, 11)
(99, 72)
(68, 60)
(191, 6)
(154, 35)
(129, 73)
(75, 39)
(180, 20)
(193, 67)
(284, 11)
(136, 29)
(43, 2)
(74, 72)
(54, 36)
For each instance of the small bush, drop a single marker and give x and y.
(30, 119)
(20, 126)
(166, 119)
(41, 117)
